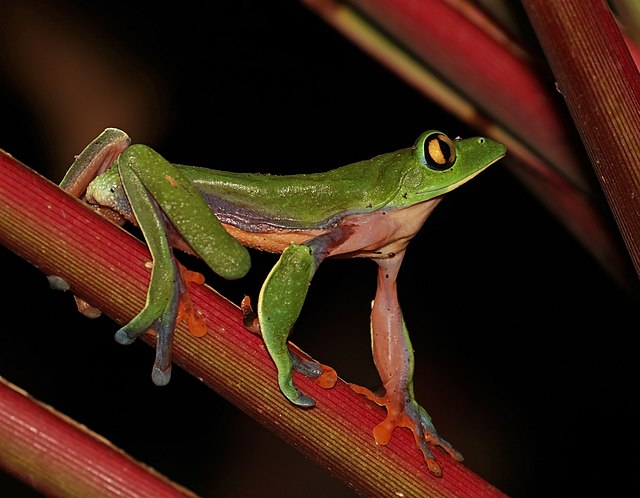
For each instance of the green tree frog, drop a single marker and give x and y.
(369, 209)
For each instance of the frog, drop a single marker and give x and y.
(367, 209)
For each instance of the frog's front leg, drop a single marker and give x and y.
(96, 158)
(324, 375)
(279, 305)
(393, 357)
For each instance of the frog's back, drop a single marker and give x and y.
(252, 201)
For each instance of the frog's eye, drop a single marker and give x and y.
(439, 152)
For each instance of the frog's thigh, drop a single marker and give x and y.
(281, 299)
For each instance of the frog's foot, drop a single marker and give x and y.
(164, 328)
(161, 373)
(412, 416)
(249, 316)
(325, 376)
(59, 283)
(287, 362)
(186, 310)
(168, 301)
(287, 386)
(87, 309)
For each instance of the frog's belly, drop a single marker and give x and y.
(380, 234)
(272, 241)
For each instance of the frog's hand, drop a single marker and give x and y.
(281, 299)
(393, 356)
(161, 308)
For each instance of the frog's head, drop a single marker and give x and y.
(107, 191)
(439, 164)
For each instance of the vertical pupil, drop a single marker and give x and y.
(439, 152)
(434, 151)
(445, 150)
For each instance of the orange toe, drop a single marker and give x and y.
(328, 377)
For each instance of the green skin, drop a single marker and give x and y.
(367, 209)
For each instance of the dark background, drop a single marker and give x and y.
(524, 347)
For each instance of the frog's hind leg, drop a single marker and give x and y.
(96, 158)
(166, 285)
(93, 160)
(158, 191)
(112, 147)
(393, 357)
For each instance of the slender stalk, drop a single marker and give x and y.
(58, 234)
(58, 457)
(591, 64)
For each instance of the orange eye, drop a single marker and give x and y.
(439, 152)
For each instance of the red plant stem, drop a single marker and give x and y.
(599, 81)
(60, 458)
(107, 266)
